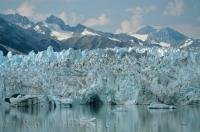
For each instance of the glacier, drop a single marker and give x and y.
(136, 75)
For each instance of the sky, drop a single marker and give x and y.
(116, 16)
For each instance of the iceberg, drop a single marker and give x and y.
(118, 75)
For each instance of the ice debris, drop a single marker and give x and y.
(156, 105)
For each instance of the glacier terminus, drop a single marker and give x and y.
(135, 75)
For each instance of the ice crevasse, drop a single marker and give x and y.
(121, 75)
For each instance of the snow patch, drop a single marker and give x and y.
(61, 35)
(86, 32)
(23, 26)
(142, 37)
(114, 39)
(162, 44)
(188, 42)
(38, 29)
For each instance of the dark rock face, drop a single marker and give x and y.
(7, 100)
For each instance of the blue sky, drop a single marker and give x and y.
(114, 15)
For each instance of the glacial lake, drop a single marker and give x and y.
(100, 119)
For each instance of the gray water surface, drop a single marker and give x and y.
(100, 119)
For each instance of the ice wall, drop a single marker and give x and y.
(120, 75)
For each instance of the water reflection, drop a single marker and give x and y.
(100, 119)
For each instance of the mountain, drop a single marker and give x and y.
(55, 20)
(17, 19)
(20, 40)
(164, 37)
(168, 35)
(93, 42)
(20, 35)
(54, 32)
(73, 36)
(59, 22)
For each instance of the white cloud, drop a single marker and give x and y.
(130, 25)
(99, 21)
(70, 18)
(74, 18)
(136, 20)
(28, 10)
(174, 8)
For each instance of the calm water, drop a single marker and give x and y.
(103, 119)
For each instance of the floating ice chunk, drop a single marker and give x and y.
(84, 119)
(156, 105)
(19, 100)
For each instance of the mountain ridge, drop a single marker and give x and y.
(54, 32)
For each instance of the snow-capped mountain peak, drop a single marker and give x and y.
(55, 20)
(53, 31)
(164, 37)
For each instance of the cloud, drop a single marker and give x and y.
(9, 11)
(28, 10)
(136, 20)
(74, 18)
(174, 8)
(138, 10)
(130, 25)
(98, 21)
(70, 18)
